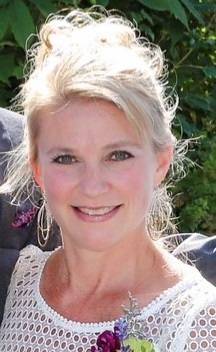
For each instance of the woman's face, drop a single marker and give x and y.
(98, 176)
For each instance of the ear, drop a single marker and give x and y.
(163, 162)
(36, 171)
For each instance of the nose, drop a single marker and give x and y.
(93, 181)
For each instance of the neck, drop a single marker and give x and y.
(117, 269)
(92, 286)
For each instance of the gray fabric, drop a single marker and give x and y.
(12, 240)
(197, 250)
(11, 133)
(8, 258)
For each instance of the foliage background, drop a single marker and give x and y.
(185, 29)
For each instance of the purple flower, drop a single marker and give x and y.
(107, 341)
(23, 218)
(120, 328)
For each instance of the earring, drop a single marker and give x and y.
(159, 218)
(44, 221)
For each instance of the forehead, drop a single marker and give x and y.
(90, 118)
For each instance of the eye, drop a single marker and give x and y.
(120, 155)
(64, 159)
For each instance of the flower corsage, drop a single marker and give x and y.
(127, 335)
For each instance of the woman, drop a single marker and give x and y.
(98, 145)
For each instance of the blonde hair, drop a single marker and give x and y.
(95, 55)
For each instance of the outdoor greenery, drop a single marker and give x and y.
(185, 29)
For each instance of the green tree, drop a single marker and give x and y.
(185, 29)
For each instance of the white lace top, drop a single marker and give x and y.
(183, 318)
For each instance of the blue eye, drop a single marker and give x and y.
(64, 159)
(120, 155)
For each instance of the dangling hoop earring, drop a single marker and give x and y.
(44, 222)
(159, 219)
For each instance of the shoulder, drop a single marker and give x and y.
(25, 276)
(31, 254)
(189, 296)
(196, 300)
(194, 314)
(29, 259)
(200, 319)
(194, 289)
(29, 265)
(202, 291)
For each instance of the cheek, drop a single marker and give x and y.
(55, 185)
(138, 182)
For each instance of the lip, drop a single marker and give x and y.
(96, 214)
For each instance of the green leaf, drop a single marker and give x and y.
(138, 345)
(18, 72)
(100, 2)
(178, 11)
(189, 128)
(74, 3)
(45, 7)
(176, 34)
(6, 63)
(158, 5)
(210, 71)
(173, 6)
(198, 101)
(4, 20)
(4, 2)
(204, 7)
(21, 21)
(193, 10)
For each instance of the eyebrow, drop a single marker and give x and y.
(60, 149)
(122, 144)
(117, 145)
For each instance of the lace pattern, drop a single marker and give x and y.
(183, 318)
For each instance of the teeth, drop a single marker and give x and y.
(99, 211)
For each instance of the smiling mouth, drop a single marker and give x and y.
(97, 211)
